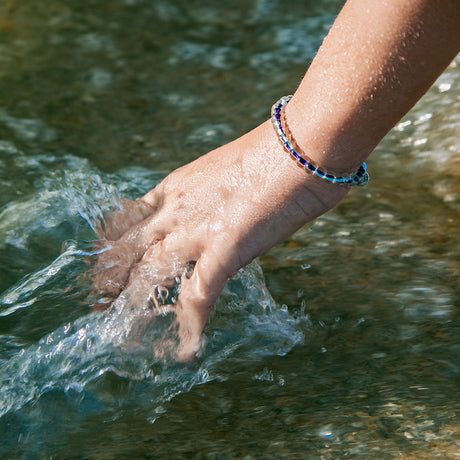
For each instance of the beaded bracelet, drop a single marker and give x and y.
(360, 177)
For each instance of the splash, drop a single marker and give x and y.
(75, 357)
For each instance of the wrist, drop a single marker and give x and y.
(330, 140)
(359, 177)
(285, 177)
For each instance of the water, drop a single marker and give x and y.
(341, 341)
(55, 351)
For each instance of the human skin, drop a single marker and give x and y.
(229, 206)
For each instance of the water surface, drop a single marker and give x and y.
(341, 341)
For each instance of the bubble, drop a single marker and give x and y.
(100, 78)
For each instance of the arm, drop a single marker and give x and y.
(377, 61)
(234, 203)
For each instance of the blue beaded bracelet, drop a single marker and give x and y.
(360, 177)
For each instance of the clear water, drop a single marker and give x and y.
(342, 341)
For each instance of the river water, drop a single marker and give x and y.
(342, 341)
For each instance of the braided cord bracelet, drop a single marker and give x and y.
(360, 177)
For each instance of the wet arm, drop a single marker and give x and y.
(377, 61)
(236, 202)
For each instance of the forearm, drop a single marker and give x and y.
(378, 59)
(219, 212)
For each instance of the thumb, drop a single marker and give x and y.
(196, 299)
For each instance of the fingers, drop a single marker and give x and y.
(119, 221)
(197, 297)
(166, 260)
(118, 253)
(158, 271)
(111, 273)
(116, 261)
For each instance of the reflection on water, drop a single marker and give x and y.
(99, 101)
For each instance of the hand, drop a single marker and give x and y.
(204, 222)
